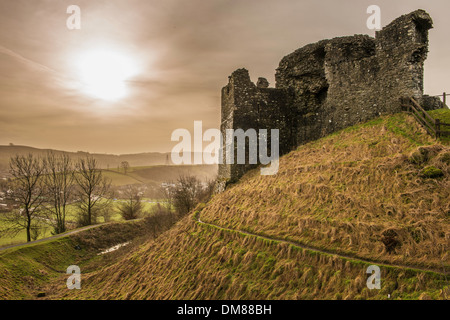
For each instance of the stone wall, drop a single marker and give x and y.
(249, 106)
(329, 85)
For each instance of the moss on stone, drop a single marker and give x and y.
(432, 172)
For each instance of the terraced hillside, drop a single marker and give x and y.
(377, 193)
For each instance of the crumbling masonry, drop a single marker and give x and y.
(329, 85)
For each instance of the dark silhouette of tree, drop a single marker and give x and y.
(125, 166)
(186, 193)
(131, 207)
(28, 191)
(92, 189)
(58, 181)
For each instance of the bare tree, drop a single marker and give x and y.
(58, 181)
(38, 228)
(187, 193)
(4, 186)
(125, 166)
(28, 190)
(93, 189)
(131, 207)
(167, 192)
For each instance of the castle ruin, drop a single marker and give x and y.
(329, 85)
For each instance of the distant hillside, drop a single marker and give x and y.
(160, 173)
(105, 160)
(376, 193)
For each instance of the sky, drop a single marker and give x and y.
(137, 70)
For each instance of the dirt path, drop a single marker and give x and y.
(442, 271)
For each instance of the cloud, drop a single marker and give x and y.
(185, 51)
(28, 62)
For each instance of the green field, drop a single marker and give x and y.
(21, 237)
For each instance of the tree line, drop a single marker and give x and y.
(179, 197)
(44, 187)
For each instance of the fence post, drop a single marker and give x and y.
(445, 99)
(438, 128)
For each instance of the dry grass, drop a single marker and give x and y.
(352, 192)
(194, 261)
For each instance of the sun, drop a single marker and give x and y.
(104, 73)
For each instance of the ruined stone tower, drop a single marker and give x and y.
(329, 85)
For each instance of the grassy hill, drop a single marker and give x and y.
(193, 261)
(379, 191)
(376, 193)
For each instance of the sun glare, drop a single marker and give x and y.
(103, 74)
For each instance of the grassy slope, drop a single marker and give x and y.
(193, 261)
(23, 270)
(346, 192)
(26, 271)
(340, 193)
(444, 116)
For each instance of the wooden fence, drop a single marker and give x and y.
(444, 97)
(433, 126)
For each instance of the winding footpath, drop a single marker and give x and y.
(441, 272)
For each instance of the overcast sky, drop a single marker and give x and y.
(182, 52)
